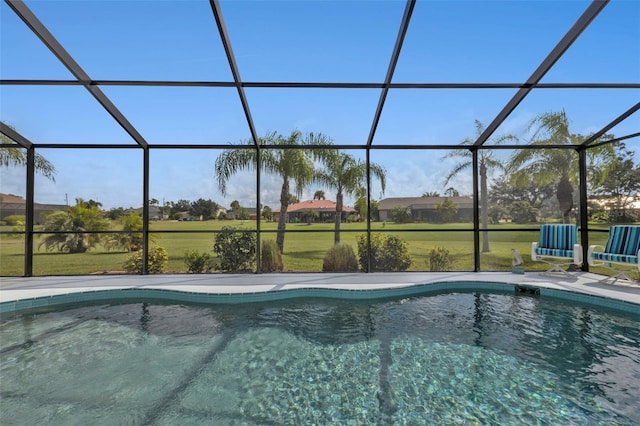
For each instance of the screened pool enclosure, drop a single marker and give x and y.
(207, 136)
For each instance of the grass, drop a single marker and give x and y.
(305, 246)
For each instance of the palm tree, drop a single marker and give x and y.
(18, 157)
(78, 222)
(347, 176)
(290, 164)
(319, 195)
(554, 166)
(485, 162)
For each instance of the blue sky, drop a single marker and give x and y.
(304, 41)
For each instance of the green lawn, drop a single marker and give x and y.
(305, 246)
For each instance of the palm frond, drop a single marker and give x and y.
(231, 161)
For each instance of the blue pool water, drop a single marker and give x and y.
(462, 358)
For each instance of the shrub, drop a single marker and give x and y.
(388, 253)
(197, 262)
(340, 258)
(446, 210)
(15, 220)
(622, 216)
(394, 256)
(439, 259)
(401, 214)
(523, 212)
(157, 260)
(270, 257)
(236, 250)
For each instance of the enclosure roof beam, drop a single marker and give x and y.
(21, 9)
(15, 136)
(404, 25)
(574, 32)
(611, 125)
(226, 42)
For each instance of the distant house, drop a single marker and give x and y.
(326, 211)
(235, 214)
(155, 213)
(14, 205)
(423, 209)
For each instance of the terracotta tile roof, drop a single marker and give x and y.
(318, 205)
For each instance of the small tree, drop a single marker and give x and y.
(132, 240)
(497, 213)
(400, 214)
(72, 228)
(360, 206)
(205, 208)
(446, 210)
(267, 213)
(236, 249)
(523, 212)
(309, 215)
(243, 214)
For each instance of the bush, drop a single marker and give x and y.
(622, 216)
(15, 220)
(156, 263)
(388, 253)
(439, 260)
(197, 262)
(270, 257)
(340, 258)
(523, 212)
(446, 210)
(400, 214)
(236, 249)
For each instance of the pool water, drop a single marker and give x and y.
(466, 358)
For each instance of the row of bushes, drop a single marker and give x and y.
(236, 252)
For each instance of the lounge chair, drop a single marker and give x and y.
(622, 249)
(558, 246)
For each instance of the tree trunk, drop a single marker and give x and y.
(484, 213)
(284, 203)
(338, 219)
(564, 194)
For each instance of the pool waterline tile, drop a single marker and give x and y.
(22, 294)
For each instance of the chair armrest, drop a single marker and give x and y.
(533, 251)
(577, 254)
(591, 250)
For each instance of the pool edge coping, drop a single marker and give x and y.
(149, 294)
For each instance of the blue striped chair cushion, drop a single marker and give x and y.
(554, 252)
(623, 239)
(619, 258)
(558, 237)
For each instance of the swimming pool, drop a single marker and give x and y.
(467, 358)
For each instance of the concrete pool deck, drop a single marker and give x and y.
(14, 289)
